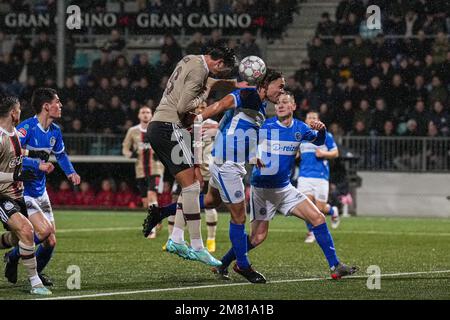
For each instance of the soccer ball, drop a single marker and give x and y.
(252, 69)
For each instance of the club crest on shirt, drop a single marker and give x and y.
(52, 141)
(238, 194)
(8, 205)
(263, 211)
(298, 136)
(23, 132)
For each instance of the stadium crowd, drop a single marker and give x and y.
(378, 84)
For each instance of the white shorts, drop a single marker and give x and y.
(318, 188)
(265, 202)
(228, 179)
(40, 204)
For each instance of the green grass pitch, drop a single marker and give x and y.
(114, 258)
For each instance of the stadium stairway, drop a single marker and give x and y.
(286, 54)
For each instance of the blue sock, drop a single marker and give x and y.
(238, 239)
(14, 254)
(43, 256)
(309, 226)
(229, 257)
(171, 209)
(201, 199)
(331, 212)
(325, 242)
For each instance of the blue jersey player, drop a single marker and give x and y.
(315, 173)
(271, 190)
(39, 133)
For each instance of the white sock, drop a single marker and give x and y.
(197, 244)
(35, 281)
(177, 235)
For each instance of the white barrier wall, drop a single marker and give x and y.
(403, 194)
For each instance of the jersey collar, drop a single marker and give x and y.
(204, 63)
(10, 134)
(39, 125)
(282, 125)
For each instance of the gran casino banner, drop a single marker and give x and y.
(141, 23)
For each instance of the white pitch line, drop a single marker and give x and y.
(371, 232)
(109, 294)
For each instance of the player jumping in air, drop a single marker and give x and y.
(186, 89)
(235, 145)
(148, 169)
(39, 133)
(272, 191)
(13, 210)
(314, 175)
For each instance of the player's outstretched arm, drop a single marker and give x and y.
(333, 154)
(216, 108)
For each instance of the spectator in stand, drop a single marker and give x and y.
(310, 97)
(388, 129)
(197, 45)
(116, 43)
(143, 91)
(331, 94)
(421, 116)
(440, 117)
(438, 92)
(346, 115)
(143, 69)
(379, 116)
(121, 68)
(440, 48)
(248, 47)
(397, 97)
(116, 116)
(45, 67)
(124, 91)
(42, 43)
(70, 91)
(326, 26)
(86, 196)
(26, 67)
(164, 67)
(326, 114)
(359, 129)
(328, 69)
(363, 113)
(106, 197)
(64, 196)
(317, 51)
(338, 49)
(172, 49)
(352, 91)
(365, 72)
(358, 51)
(102, 68)
(351, 26)
(418, 91)
(125, 197)
(216, 39)
(411, 129)
(104, 93)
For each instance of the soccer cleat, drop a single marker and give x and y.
(10, 268)
(342, 270)
(180, 249)
(41, 291)
(204, 256)
(250, 274)
(335, 219)
(164, 247)
(152, 220)
(310, 238)
(152, 234)
(46, 281)
(211, 245)
(221, 273)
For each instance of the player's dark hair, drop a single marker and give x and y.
(289, 93)
(223, 52)
(7, 104)
(42, 96)
(271, 75)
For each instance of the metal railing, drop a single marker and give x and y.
(400, 154)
